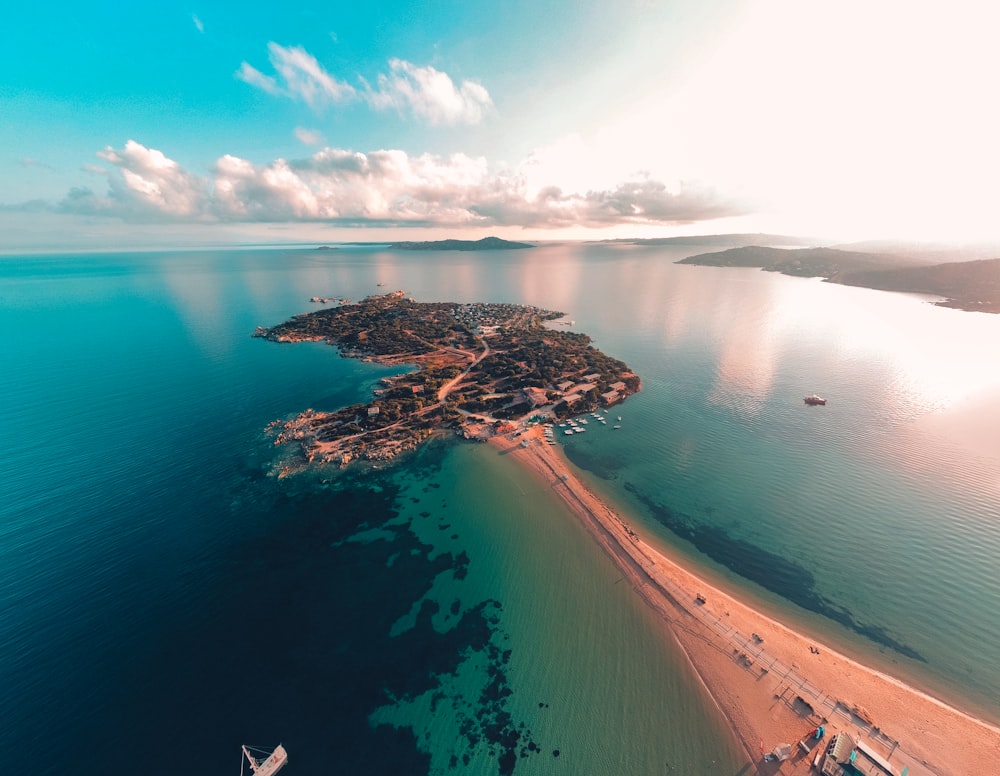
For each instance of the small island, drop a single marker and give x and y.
(965, 285)
(486, 244)
(481, 369)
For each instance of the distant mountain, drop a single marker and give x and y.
(965, 285)
(937, 253)
(486, 244)
(723, 239)
(827, 263)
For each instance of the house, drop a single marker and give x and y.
(591, 378)
(565, 385)
(535, 396)
(619, 386)
(610, 397)
(372, 411)
(847, 757)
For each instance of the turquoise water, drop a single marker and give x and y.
(160, 588)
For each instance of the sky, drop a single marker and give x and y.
(215, 122)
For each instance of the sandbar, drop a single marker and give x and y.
(774, 685)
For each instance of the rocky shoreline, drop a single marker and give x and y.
(480, 369)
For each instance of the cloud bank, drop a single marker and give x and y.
(424, 93)
(383, 188)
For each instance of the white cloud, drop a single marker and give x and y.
(425, 93)
(144, 184)
(306, 78)
(430, 94)
(198, 23)
(301, 77)
(308, 136)
(384, 187)
(251, 75)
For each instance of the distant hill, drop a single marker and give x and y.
(966, 285)
(935, 253)
(486, 244)
(827, 263)
(722, 239)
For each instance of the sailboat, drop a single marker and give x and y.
(272, 763)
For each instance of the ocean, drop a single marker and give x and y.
(164, 598)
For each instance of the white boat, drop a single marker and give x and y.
(272, 763)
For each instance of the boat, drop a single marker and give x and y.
(813, 400)
(272, 763)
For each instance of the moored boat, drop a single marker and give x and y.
(271, 764)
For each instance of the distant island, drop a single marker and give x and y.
(964, 285)
(486, 244)
(482, 368)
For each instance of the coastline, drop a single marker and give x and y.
(771, 683)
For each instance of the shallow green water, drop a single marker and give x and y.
(590, 669)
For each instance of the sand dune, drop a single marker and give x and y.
(774, 685)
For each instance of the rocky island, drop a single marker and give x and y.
(481, 369)
(486, 244)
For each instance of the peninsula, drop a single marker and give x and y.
(964, 285)
(489, 371)
(480, 368)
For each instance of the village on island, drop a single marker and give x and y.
(482, 369)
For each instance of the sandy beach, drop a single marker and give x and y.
(773, 684)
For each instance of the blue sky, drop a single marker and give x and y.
(213, 122)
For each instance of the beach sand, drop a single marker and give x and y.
(772, 684)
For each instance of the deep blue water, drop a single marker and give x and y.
(162, 599)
